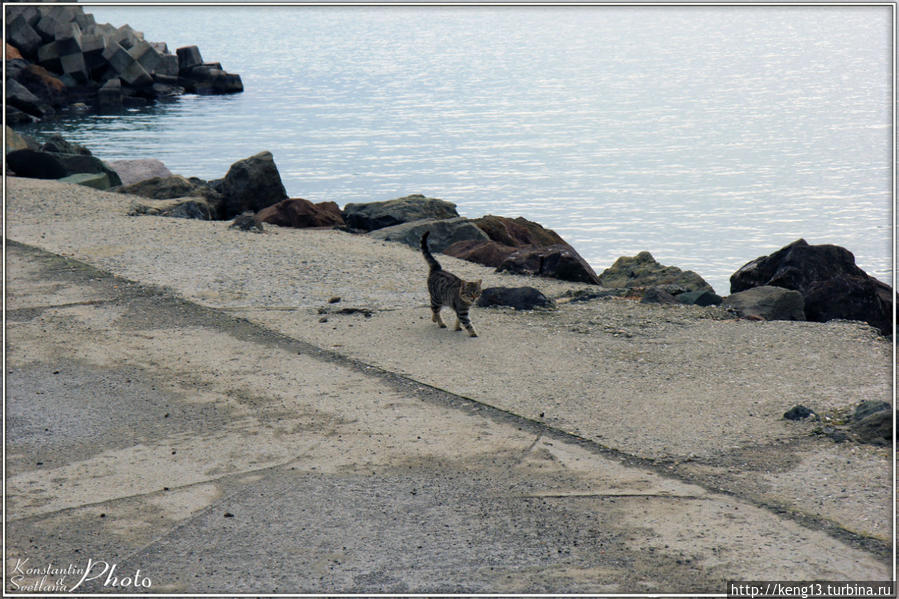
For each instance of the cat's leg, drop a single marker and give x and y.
(462, 318)
(435, 316)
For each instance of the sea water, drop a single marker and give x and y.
(706, 135)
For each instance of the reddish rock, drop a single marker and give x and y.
(517, 232)
(488, 253)
(43, 84)
(555, 261)
(301, 213)
(12, 53)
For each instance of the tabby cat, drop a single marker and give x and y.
(447, 289)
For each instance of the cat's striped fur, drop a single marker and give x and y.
(447, 289)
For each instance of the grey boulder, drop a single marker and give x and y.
(444, 233)
(378, 215)
(767, 303)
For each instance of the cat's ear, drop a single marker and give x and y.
(478, 283)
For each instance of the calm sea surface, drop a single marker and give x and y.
(706, 135)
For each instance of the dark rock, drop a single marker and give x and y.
(366, 312)
(799, 412)
(851, 298)
(92, 48)
(193, 208)
(837, 435)
(14, 116)
(109, 97)
(126, 37)
(162, 188)
(68, 39)
(167, 90)
(35, 164)
(642, 270)
(141, 169)
(829, 280)
(301, 213)
(247, 222)
(82, 163)
(46, 27)
(128, 69)
(22, 35)
(56, 143)
(30, 14)
(20, 97)
(700, 298)
(74, 66)
(444, 232)
(188, 57)
(585, 295)
(145, 55)
(517, 232)
(377, 215)
(555, 261)
(251, 185)
(520, 298)
(658, 295)
(875, 428)
(796, 266)
(14, 68)
(210, 79)
(488, 253)
(868, 407)
(48, 56)
(767, 303)
(168, 66)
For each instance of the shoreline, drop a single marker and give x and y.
(720, 282)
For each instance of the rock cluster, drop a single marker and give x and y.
(521, 246)
(510, 245)
(829, 282)
(59, 159)
(58, 55)
(798, 282)
(871, 422)
(250, 185)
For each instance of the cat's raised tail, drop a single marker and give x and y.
(435, 266)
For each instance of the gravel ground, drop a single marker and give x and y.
(685, 386)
